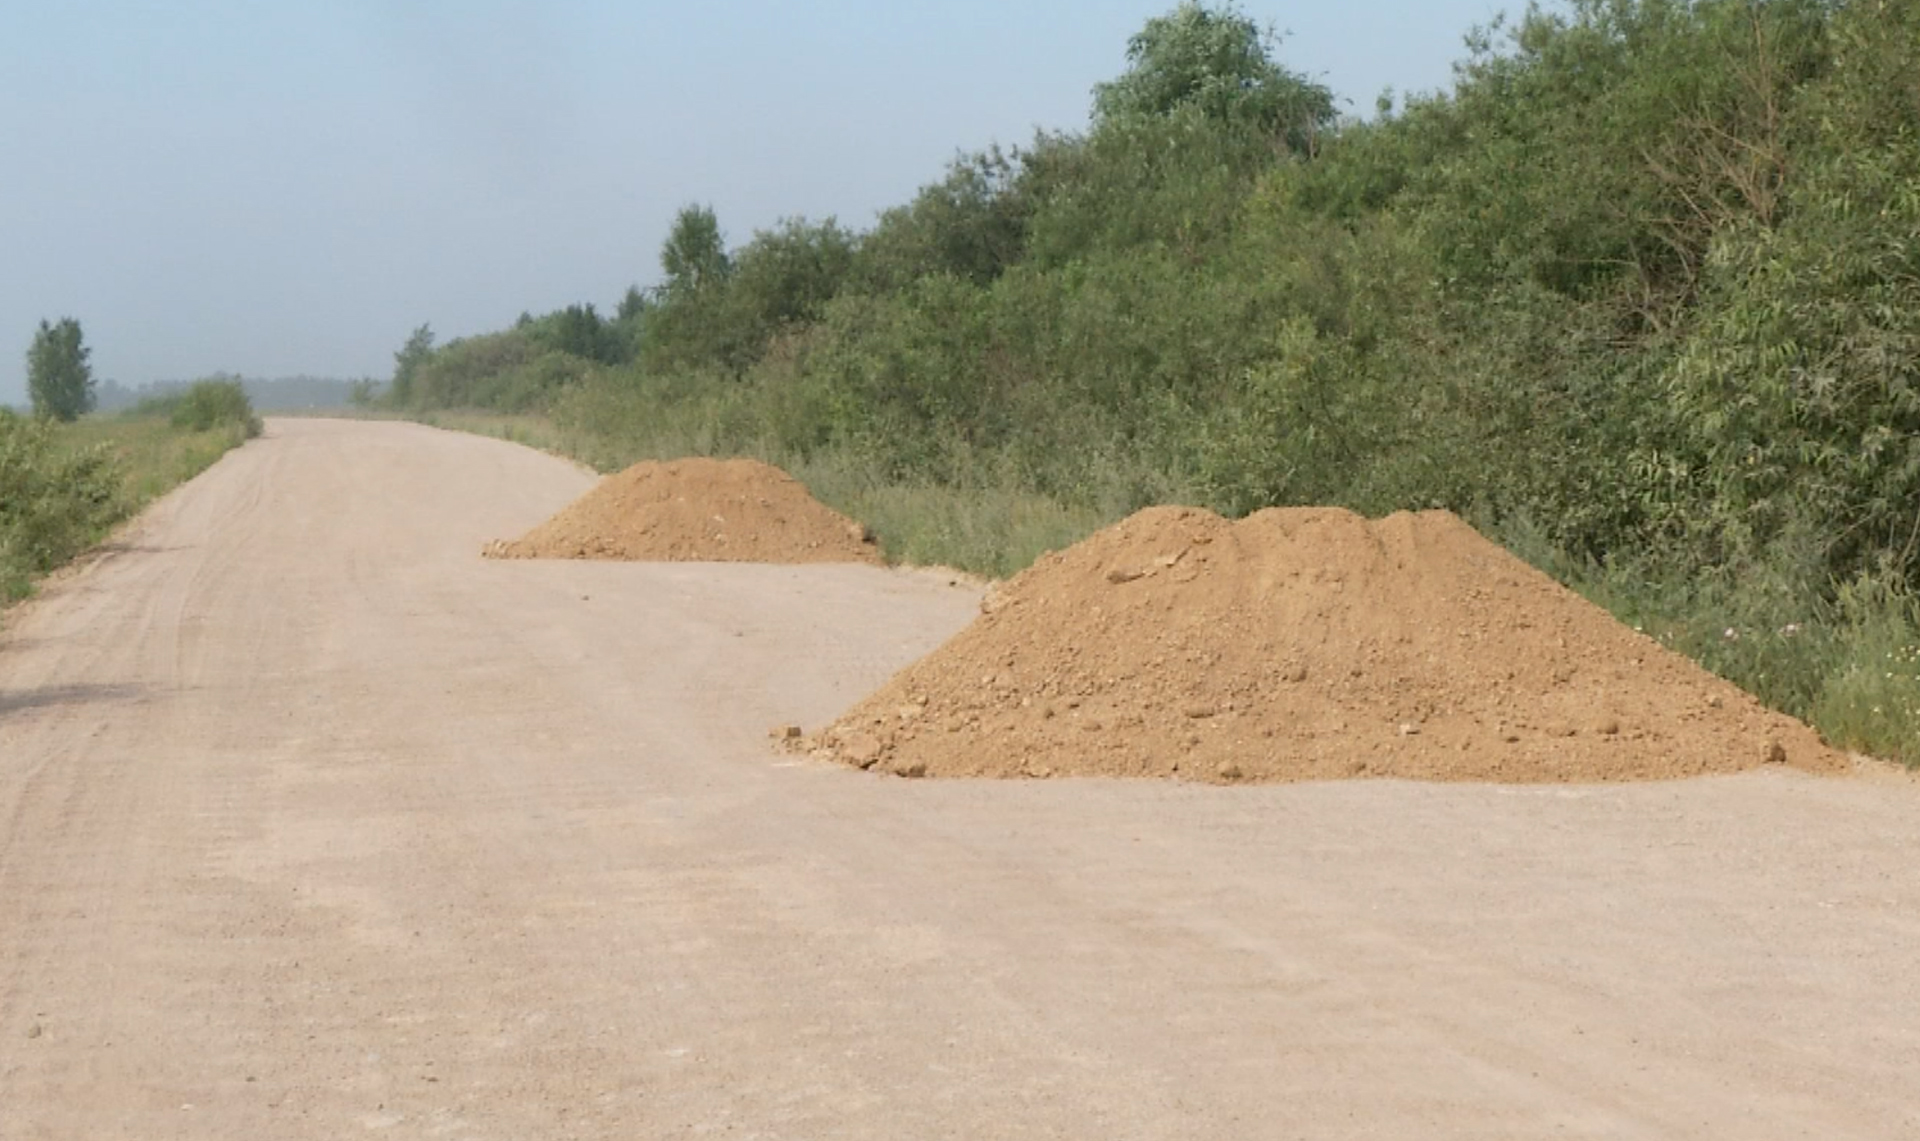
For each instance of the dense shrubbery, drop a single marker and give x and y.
(54, 502)
(1640, 295)
(212, 403)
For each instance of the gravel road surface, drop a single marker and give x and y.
(313, 824)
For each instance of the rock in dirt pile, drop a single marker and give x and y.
(697, 510)
(1305, 644)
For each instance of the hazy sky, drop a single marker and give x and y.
(290, 186)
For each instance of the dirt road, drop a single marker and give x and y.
(313, 824)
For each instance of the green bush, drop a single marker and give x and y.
(212, 403)
(54, 503)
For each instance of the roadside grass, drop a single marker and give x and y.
(1873, 703)
(64, 487)
(1849, 667)
(991, 531)
(152, 455)
(530, 429)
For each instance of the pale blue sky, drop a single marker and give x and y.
(290, 186)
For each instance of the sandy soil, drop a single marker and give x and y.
(696, 510)
(1306, 644)
(313, 824)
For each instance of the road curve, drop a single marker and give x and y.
(313, 824)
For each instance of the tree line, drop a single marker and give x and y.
(1639, 294)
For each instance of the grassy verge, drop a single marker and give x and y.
(151, 455)
(527, 428)
(993, 531)
(1846, 661)
(63, 487)
(1850, 668)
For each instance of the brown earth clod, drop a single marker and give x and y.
(696, 510)
(1279, 644)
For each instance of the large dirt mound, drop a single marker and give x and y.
(1306, 644)
(697, 510)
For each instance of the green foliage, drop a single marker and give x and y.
(1870, 699)
(1847, 660)
(1217, 63)
(1597, 157)
(1800, 383)
(506, 371)
(1179, 182)
(633, 305)
(576, 331)
(59, 379)
(785, 276)
(694, 256)
(972, 224)
(64, 485)
(53, 503)
(213, 402)
(781, 279)
(992, 530)
(407, 363)
(1640, 294)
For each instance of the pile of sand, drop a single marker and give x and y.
(1305, 644)
(697, 510)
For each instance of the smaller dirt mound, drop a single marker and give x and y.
(1306, 644)
(697, 510)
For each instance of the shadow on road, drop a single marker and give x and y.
(113, 547)
(18, 701)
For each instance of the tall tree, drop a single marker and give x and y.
(407, 362)
(695, 254)
(578, 330)
(1218, 62)
(633, 305)
(59, 379)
